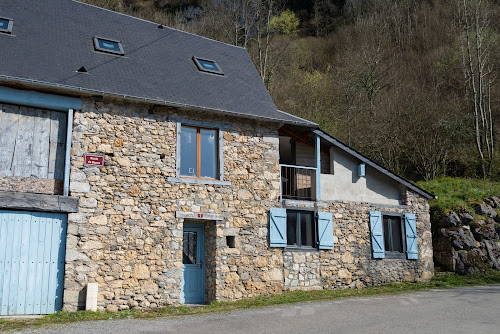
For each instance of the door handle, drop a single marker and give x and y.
(201, 264)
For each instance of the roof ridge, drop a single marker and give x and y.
(157, 24)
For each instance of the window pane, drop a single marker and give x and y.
(189, 247)
(108, 45)
(208, 148)
(188, 151)
(291, 228)
(4, 24)
(397, 243)
(307, 229)
(387, 235)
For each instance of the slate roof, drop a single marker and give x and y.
(52, 39)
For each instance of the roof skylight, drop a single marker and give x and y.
(206, 65)
(6, 25)
(108, 45)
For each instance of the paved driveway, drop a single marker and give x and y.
(464, 310)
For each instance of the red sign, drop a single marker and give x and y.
(93, 160)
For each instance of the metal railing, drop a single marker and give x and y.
(298, 182)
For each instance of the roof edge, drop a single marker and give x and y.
(302, 119)
(80, 90)
(373, 164)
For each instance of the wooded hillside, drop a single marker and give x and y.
(411, 83)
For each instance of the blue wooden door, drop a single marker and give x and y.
(32, 251)
(193, 264)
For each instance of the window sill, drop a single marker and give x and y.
(199, 181)
(395, 256)
(300, 249)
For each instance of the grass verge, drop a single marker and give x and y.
(453, 192)
(439, 282)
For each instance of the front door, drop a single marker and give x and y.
(193, 264)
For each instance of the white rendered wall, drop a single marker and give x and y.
(345, 185)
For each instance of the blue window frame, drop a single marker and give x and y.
(108, 46)
(6, 25)
(206, 65)
(199, 152)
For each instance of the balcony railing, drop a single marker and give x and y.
(298, 182)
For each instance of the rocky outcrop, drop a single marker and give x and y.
(468, 245)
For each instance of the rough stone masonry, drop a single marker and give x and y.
(127, 237)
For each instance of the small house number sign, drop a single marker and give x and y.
(93, 160)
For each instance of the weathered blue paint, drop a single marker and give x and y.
(317, 150)
(39, 100)
(411, 236)
(377, 231)
(277, 227)
(193, 275)
(69, 132)
(325, 230)
(31, 262)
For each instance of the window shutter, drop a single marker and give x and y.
(277, 227)
(411, 236)
(325, 230)
(377, 235)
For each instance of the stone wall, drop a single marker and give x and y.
(350, 263)
(468, 242)
(126, 236)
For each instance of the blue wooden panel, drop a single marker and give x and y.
(23, 264)
(3, 268)
(277, 227)
(16, 256)
(32, 265)
(411, 236)
(46, 263)
(32, 262)
(40, 263)
(377, 231)
(325, 230)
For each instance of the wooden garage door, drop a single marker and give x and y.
(32, 255)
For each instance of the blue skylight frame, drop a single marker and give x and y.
(108, 45)
(207, 65)
(6, 25)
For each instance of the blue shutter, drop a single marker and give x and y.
(325, 230)
(277, 227)
(411, 236)
(377, 235)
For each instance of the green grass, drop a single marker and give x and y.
(439, 282)
(454, 193)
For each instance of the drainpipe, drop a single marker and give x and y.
(318, 168)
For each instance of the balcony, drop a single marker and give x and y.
(298, 182)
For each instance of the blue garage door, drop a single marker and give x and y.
(32, 250)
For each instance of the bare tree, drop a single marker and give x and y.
(478, 73)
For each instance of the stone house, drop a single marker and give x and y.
(142, 166)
